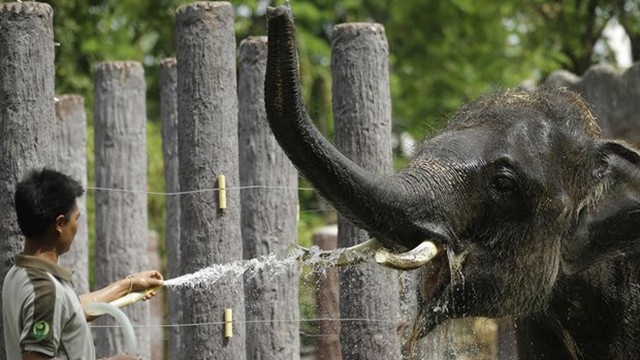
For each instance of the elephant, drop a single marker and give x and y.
(523, 208)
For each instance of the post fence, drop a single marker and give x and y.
(362, 113)
(71, 126)
(168, 79)
(327, 298)
(269, 215)
(27, 117)
(208, 148)
(121, 217)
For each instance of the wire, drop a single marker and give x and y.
(178, 193)
(251, 322)
(130, 191)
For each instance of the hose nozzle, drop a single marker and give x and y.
(133, 297)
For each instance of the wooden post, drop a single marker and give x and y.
(269, 223)
(121, 163)
(27, 118)
(169, 116)
(72, 160)
(208, 147)
(157, 309)
(362, 113)
(327, 294)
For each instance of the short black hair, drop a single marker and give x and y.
(41, 196)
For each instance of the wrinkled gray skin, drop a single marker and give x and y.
(537, 215)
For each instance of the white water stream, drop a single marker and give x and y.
(292, 261)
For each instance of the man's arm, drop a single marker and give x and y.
(136, 282)
(33, 355)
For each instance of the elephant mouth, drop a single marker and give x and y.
(429, 256)
(435, 277)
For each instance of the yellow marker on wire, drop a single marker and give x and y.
(222, 193)
(228, 323)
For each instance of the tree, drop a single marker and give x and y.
(568, 28)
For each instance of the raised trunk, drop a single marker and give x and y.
(369, 200)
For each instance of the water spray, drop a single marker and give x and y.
(371, 250)
(353, 255)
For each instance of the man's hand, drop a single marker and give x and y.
(135, 282)
(145, 280)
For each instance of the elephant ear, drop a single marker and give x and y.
(609, 227)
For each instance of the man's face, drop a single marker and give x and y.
(68, 229)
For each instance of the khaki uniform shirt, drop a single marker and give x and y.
(42, 312)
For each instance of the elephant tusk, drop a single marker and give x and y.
(353, 255)
(409, 260)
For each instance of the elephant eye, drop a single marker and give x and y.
(505, 182)
(507, 190)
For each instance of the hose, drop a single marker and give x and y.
(101, 308)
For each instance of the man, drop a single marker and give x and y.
(43, 316)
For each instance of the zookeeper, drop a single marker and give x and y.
(43, 316)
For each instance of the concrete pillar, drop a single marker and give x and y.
(72, 160)
(121, 163)
(27, 118)
(269, 215)
(327, 293)
(169, 117)
(362, 113)
(208, 147)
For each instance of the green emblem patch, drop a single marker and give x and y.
(41, 329)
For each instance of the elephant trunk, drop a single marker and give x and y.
(370, 201)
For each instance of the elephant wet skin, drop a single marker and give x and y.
(533, 214)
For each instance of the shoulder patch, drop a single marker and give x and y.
(41, 329)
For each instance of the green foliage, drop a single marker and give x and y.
(443, 53)
(91, 203)
(551, 25)
(459, 51)
(89, 32)
(155, 181)
(627, 13)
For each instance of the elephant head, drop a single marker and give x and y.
(519, 193)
